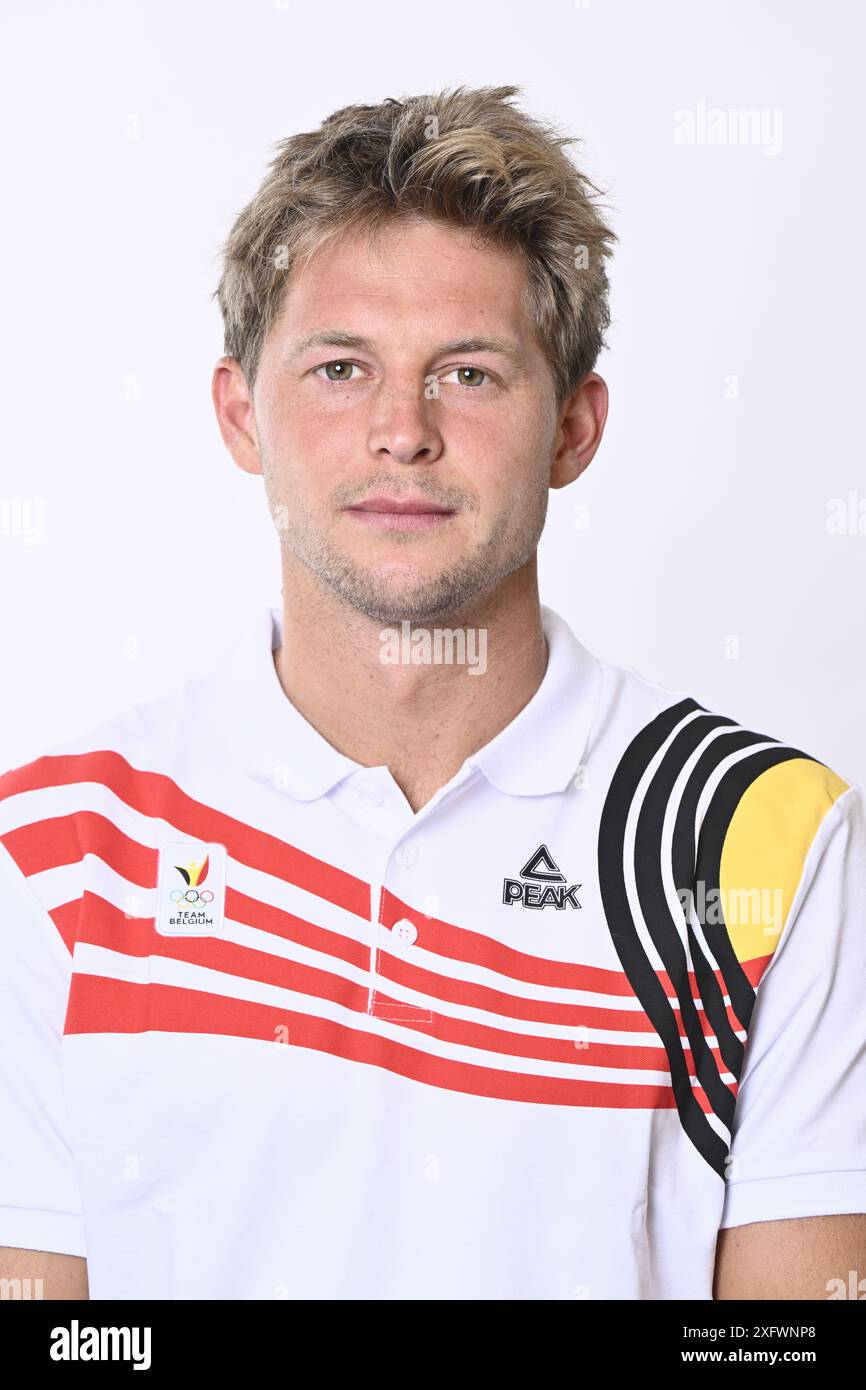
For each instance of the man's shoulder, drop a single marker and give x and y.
(148, 736)
(136, 729)
(97, 797)
(667, 734)
(706, 802)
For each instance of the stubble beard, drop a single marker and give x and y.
(428, 597)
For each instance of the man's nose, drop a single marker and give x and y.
(403, 423)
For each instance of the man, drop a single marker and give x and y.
(416, 952)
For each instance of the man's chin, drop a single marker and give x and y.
(396, 609)
(393, 592)
(426, 601)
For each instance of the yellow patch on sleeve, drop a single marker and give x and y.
(765, 849)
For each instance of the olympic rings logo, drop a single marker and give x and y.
(191, 895)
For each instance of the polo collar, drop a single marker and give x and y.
(542, 748)
(539, 752)
(261, 729)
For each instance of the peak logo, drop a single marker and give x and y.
(541, 884)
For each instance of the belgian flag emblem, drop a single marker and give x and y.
(702, 843)
(194, 874)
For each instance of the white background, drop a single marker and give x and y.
(132, 134)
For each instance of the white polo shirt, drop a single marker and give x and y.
(266, 1033)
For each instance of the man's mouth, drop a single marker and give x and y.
(400, 513)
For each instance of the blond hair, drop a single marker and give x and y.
(465, 157)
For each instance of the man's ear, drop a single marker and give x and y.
(234, 411)
(581, 425)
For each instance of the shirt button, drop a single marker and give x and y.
(407, 855)
(371, 796)
(405, 931)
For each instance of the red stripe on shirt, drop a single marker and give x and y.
(105, 926)
(99, 1004)
(156, 795)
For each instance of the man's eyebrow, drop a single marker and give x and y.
(327, 337)
(338, 338)
(467, 346)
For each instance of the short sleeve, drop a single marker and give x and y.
(799, 1135)
(40, 1202)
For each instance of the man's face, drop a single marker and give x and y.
(408, 473)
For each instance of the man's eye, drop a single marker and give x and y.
(336, 371)
(465, 375)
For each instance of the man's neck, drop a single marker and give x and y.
(421, 721)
